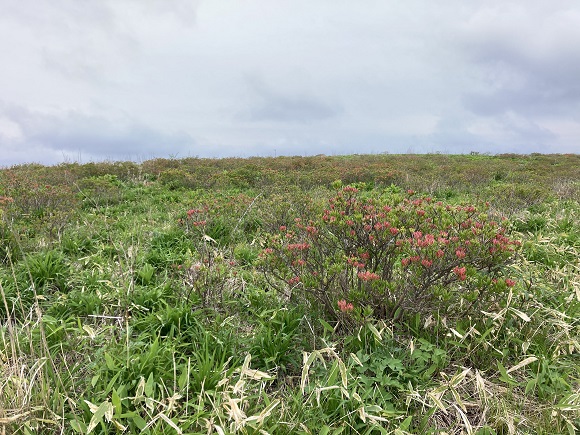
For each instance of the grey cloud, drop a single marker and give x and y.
(535, 88)
(535, 99)
(451, 135)
(527, 59)
(524, 132)
(270, 105)
(91, 135)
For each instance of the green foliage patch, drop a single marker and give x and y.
(384, 294)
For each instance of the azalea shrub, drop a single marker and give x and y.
(391, 258)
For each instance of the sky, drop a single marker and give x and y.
(97, 80)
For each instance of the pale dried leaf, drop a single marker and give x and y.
(523, 363)
(466, 423)
(170, 423)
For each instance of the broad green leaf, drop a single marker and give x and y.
(531, 385)
(110, 362)
(504, 376)
(183, 378)
(77, 426)
(139, 422)
(326, 326)
(149, 386)
(333, 373)
(112, 382)
(502, 370)
(116, 400)
(406, 423)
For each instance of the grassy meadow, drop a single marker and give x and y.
(379, 294)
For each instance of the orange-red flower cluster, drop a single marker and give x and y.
(345, 306)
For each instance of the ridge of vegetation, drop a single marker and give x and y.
(365, 294)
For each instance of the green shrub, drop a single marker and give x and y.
(532, 224)
(146, 274)
(153, 298)
(77, 303)
(169, 248)
(512, 198)
(276, 343)
(246, 255)
(48, 269)
(101, 191)
(77, 242)
(176, 179)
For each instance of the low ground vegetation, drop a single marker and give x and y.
(292, 295)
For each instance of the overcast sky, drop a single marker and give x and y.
(137, 79)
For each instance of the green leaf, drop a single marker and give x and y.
(333, 373)
(110, 362)
(429, 372)
(112, 382)
(309, 359)
(182, 381)
(149, 386)
(437, 401)
(326, 326)
(77, 426)
(504, 376)
(116, 403)
(531, 385)
(406, 423)
(502, 370)
(139, 422)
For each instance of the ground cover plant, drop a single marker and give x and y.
(293, 295)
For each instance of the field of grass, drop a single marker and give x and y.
(383, 294)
